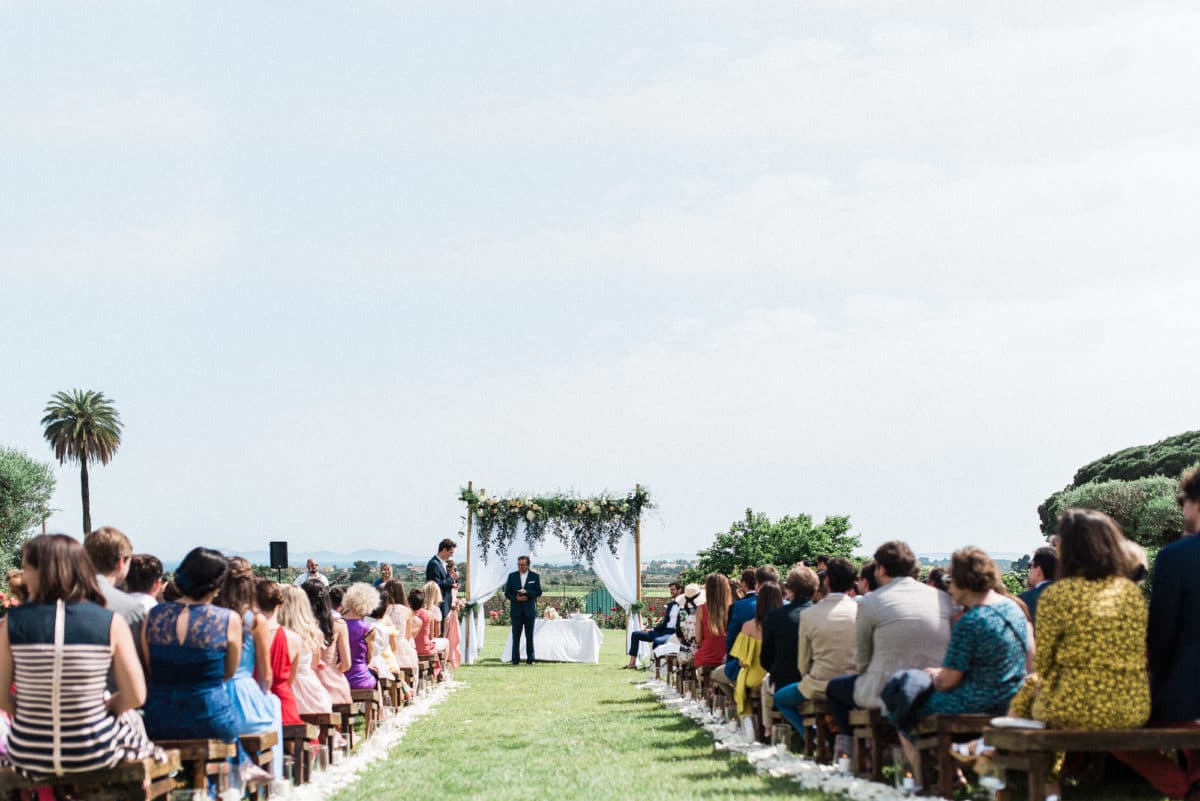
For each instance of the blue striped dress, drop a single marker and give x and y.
(62, 724)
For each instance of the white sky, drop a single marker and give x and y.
(914, 263)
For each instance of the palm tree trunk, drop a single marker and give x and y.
(87, 498)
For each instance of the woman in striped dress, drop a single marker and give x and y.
(59, 648)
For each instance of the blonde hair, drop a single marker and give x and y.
(295, 613)
(361, 599)
(433, 595)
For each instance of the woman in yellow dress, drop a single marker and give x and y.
(1091, 634)
(747, 648)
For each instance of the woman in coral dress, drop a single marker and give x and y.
(284, 650)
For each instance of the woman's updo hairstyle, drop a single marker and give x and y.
(268, 594)
(416, 598)
(238, 591)
(201, 571)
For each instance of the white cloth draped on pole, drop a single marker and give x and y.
(618, 573)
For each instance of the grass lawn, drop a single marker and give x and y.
(560, 731)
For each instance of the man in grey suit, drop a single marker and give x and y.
(111, 552)
(902, 625)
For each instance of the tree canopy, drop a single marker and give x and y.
(26, 486)
(82, 426)
(1136, 486)
(755, 540)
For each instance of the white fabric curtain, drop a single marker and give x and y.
(618, 573)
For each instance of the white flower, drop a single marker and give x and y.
(530, 515)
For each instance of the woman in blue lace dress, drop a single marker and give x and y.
(192, 648)
(58, 648)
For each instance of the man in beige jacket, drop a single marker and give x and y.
(826, 646)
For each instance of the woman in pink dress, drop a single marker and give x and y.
(335, 652)
(296, 615)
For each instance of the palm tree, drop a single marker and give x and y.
(82, 427)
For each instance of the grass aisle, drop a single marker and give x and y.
(560, 731)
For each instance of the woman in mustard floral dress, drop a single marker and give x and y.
(1090, 661)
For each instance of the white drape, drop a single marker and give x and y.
(618, 573)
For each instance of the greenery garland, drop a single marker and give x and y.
(582, 525)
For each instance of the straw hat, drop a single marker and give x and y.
(691, 592)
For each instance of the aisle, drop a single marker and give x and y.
(556, 731)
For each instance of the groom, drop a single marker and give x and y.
(522, 591)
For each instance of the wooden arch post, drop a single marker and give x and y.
(637, 543)
(470, 570)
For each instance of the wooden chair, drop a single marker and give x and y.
(204, 760)
(1029, 751)
(258, 748)
(369, 702)
(426, 666)
(326, 724)
(346, 713)
(934, 737)
(143, 779)
(817, 734)
(298, 741)
(872, 733)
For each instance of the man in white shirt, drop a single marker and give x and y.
(311, 573)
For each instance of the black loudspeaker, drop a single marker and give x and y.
(279, 555)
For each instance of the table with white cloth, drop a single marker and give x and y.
(561, 641)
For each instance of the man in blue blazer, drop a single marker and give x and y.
(437, 572)
(522, 590)
(1043, 569)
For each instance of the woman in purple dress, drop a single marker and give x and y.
(358, 602)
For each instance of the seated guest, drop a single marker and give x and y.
(144, 580)
(661, 632)
(725, 676)
(747, 648)
(401, 616)
(710, 634)
(16, 588)
(434, 606)
(901, 625)
(192, 649)
(984, 664)
(781, 635)
(295, 615)
(1042, 570)
(826, 642)
(1173, 646)
(284, 648)
(72, 728)
(256, 708)
(359, 601)
(110, 552)
(939, 579)
(335, 649)
(335, 600)
(383, 655)
(736, 591)
(867, 583)
(1091, 635)
(423, 638)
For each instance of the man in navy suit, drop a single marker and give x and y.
(437, 572)
(1173, 645)
(522, 591)
(1042, 570)
(660, 633)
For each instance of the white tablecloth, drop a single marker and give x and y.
(561, 641)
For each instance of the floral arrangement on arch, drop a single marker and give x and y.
(582, 525)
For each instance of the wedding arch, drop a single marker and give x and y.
(604, 531)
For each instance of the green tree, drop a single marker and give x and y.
(25, 490)
(363, 571)
(82, 426)
(755, 540)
